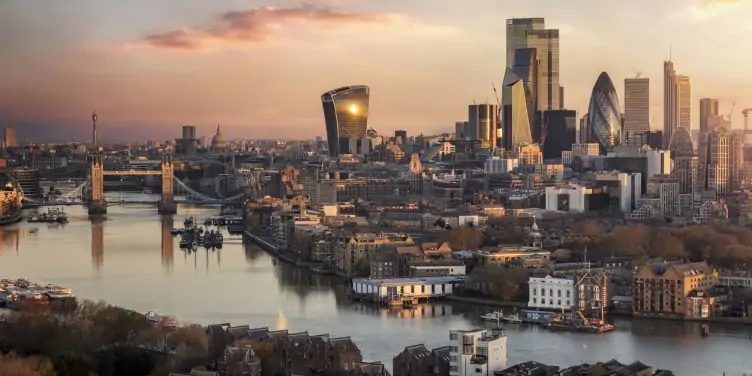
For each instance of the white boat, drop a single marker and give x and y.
(493, 316)
(514, 319)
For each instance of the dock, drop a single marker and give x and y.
(405, 292)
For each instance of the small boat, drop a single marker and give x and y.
(493, 316)
(514, 319)
(194, 245)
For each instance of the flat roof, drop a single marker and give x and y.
(405, 281)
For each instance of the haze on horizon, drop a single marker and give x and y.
(258, 68)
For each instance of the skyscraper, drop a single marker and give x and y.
(516, 120)
(10, 136)
(346, 117)
(559, 132)
(670, 102)
(525, 65)
(685, 161)
(604, 115)
(677, 102)
(708, 109)
(530, 33)
(483, 124)
(636, 106)
(715, 170)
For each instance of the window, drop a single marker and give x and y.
(550, 301)
(550, 292)
(543, 292)
(482, 351)
(558, 302)
(535, 292)
(567, 293)
(454, 359)
(479, 370)
(452, 368)
(453, 336)
(568, 305)
(558, 293)
(534, 301)
(453, 349)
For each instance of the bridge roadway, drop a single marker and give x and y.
(131, 172)
(130, 202)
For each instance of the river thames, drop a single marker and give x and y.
(131, 260)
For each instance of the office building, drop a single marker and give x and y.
(526, 67)
(477, 352)
(604, 115)
(346, 117)
(462, 130)
(531, 33)
(483, 123)
(559, 132)
(10, 136)
(402, 136)
(685, 160)
(636, 106)
(708, 112)
(715, 167)
(515, 115)
(677, 102)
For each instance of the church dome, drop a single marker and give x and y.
(218, 141)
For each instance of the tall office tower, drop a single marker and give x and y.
(462, 129)
(604, 115)
(526, 66)
(684, 95)
(708, 112)
(10, 136)
(483, 124)
(670, 102)
(402, 135)
(636, 107)
(515, 116)
(559, 132)
(530, 33)
(685, 161)
(346, 117)
(583, 132)
(715, 170)
(189, 132)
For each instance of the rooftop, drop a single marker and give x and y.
(409, 281)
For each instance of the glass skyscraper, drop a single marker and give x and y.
(604, 115)
(346, 117)
(531, 33)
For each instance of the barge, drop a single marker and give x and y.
(19, 292)
(53, 215)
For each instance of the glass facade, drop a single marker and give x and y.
(530, 33)
(28, 179)
(346, 117)
(604, 115)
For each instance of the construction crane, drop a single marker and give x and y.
(746, 112)
(731, 112)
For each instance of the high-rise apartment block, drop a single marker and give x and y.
(636, 107)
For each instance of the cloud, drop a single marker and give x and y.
(712, 3)
(254, 26)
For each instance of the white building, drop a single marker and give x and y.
(477, 352)
(551, 293)
(451, 270)
(625, 187)
(569, 198)
(390, 289)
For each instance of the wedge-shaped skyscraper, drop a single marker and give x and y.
(604, 114)
(346, 117)
(516, 117)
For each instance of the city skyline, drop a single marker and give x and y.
(148, 70)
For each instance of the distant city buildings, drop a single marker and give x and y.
(9, 136)
(482, 124)
(346, 118)
(516, 118)
(677, 102)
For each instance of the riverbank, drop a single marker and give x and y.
(267, 244)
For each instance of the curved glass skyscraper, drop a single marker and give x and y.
(346, 117)
(604, 115)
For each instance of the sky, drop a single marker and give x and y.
(258, 68)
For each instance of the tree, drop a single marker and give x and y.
(667, 246)
(13, 365)
(465, 238)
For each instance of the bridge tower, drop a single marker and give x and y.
(167, 204)
(97, 204)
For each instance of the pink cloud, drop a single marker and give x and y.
(254, 26)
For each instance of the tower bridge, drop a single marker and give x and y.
(98, 205)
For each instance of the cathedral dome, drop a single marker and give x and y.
(218, 141)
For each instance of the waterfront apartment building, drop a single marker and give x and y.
(662, 288)
(636, 107)
(551, 293)
(353, 253)
(477, 352)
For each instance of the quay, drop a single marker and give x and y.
(14, 293)
(403, 291)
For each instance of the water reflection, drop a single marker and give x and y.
(11, 239)
(168, 243)
(97, 243)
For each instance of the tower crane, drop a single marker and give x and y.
(746, 112)
(498, 110)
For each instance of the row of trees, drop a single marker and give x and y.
(96, 338)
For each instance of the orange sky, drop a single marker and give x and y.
(259, 68)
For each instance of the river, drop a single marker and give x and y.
(131, 260)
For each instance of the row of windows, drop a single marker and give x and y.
(550, 302)
(550, 292)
